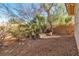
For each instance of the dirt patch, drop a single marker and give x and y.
(63, 46)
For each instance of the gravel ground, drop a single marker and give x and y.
(60, 46)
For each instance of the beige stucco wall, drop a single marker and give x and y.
(77, 25)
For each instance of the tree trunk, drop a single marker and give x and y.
(49, 20)
(77, 25)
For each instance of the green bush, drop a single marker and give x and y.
(36, 26)
(18, 31)
(61, 20)
(67, 19)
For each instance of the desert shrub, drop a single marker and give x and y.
(37, 25)
(18, 31)
(32, 31)
(16, 21)
(67, 19)
(17, 28)
(41, 22)
(61, 20)
(3, 33)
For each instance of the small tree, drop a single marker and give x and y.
(48, 8)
